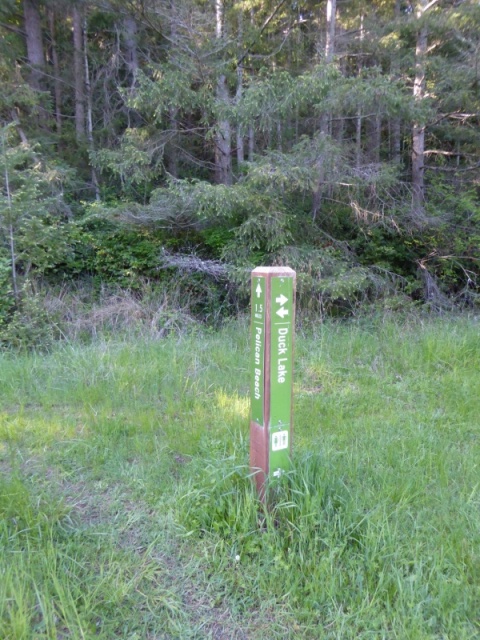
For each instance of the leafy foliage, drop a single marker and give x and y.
(112, 176)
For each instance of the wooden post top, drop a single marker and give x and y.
(273, 271)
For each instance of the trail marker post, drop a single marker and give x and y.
(272, 334)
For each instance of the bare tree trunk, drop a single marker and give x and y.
(239, 92)
(318, 193)
(171, 150)
(171, 155)
(396, 140)
(358, 122)
(338, 124)
(297, 123)
(223, 141)
(331, 21)
(251, 129)
(11, 232)
(279, 135)
(240, 143)
(11, 240)
(418, 131)
(88, 94)
(33, 32)
(326, 117)
(223, 138)
(131, 61)
(79, 71)
(131, 50)
(358, 140)
(57, 85)
(251, 143)
(13, 258)
(374, 138)
(396, 128)
(418, 168)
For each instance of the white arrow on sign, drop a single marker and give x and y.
(258, 290)
(282, 312)
(281, 299)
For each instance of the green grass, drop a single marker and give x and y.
(127, 510)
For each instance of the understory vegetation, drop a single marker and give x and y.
(127, 507)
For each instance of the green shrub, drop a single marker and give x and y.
(28, 325)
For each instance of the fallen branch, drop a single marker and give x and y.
(192, 264)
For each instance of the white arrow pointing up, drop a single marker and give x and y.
(282, 312)
(258, 290)
(281, 299)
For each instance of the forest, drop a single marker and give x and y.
(154, 152)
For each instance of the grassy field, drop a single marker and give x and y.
(126, 510)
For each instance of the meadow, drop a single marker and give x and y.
(127, 508)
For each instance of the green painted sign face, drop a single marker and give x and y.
(281, 375)
(258, 350)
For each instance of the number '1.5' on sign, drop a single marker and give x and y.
(258, 351)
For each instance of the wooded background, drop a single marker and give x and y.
(157, 143)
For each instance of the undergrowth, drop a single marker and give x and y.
(128, 508)
(324, 546)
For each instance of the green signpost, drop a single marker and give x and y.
(273, 322)
(281, 378)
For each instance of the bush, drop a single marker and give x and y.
(28, 325)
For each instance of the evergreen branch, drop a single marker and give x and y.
(262, 29)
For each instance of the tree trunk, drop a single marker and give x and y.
(251, 129)
(374, 128)
(238, 96)
(88, 95)
(171, 148)
(13, 258)
(396, 141)
(338, 123)
(33, 33)
(57, 85)
(358, 140)
(79, 71)
(251, 143)
(358, 121)
(11, 234)
(131, 51)
(223, 138)
(418, 132)
(131, 61)
(331, 20)
(240, 143)
(396, 128)
(326, 117)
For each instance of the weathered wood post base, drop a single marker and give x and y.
(272, 337)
